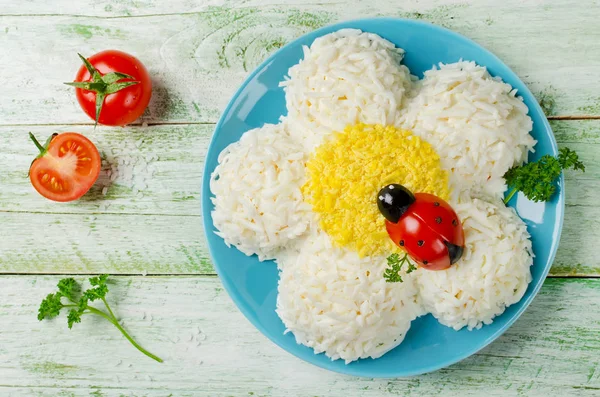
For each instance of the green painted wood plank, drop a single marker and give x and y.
(201, 51)
(211, 350)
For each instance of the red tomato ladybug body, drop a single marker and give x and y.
(424, 225)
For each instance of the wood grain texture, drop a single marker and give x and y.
(199, 52)
(211, 350)
(149, 220)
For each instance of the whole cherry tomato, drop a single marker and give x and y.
(113, 87)
(66, 168)
(424, 225)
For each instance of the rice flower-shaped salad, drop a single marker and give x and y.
(379, 196)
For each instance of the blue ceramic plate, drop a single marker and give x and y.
(252, 285)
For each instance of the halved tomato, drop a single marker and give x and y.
(66, 168)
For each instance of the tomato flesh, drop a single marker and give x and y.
(122, 107)
(68, 169)
(431, 254)
(428, 231)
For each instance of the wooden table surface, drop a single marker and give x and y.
(147, 230)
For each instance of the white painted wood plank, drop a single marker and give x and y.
(155, 244)
(104, 243)
(158, 169)
(116, 8)
(211, 350)
(146, 170)
(200, 52)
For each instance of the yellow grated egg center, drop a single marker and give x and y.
(346, 172)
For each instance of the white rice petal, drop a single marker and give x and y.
(340, 304)
(476, 123)
(258, 204)
(345, 77)
(492, 274)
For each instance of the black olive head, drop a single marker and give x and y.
(393, 201)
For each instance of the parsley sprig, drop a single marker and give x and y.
(78, 304)
(537, 179)
(395, 264)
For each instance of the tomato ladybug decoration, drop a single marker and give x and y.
(424, 225)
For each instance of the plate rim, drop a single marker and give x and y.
(206, 203)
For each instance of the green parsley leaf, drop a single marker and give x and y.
(395, 264)
(50, 307)
(537, 180)
(99, 280)
(73, 317)
(68, 288)
(570, 160)
(100, 290)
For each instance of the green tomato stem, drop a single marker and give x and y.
(37, 144)
(114, 321)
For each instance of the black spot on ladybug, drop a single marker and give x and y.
(438, 219)
(436, 204)
(420, 243)
(454, 222)
(401, 243)
(425, 262)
